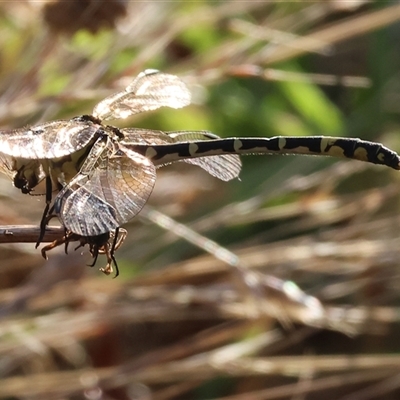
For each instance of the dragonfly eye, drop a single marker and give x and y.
(24, 185)
(25, 179)
(21, 183)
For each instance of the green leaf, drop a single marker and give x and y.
(314, 106)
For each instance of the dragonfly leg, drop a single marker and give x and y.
(45, 217)
(115, 241)
(115, 264)
(108, 269)
(97, 245)
(121, 235)
(53, 245)
(65, 240)
(94, 251)
(101, 245)
(65, 235)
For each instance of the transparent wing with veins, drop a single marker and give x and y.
(49, 140)
(149, 91)
(112, 187)
(224, 167)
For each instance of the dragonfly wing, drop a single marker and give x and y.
(224, 167)
(49, 140)
(134, 136)
(149, 91)
(112, 187)
(7, 166)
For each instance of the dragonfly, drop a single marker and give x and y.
(104, 175)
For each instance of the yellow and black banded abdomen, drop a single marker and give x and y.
(351, 148)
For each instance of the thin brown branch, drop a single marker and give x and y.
(28, 234)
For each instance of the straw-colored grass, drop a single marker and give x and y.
(283, 285)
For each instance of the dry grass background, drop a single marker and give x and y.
(283, 285)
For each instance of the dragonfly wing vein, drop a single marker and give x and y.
(50, 140)
(146, 93)
(110, 194)
(224, 167)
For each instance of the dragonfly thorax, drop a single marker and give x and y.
(63, 169)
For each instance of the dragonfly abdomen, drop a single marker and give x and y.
(303, 145)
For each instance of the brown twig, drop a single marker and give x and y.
(28, 234)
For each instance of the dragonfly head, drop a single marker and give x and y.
(98, 241)
(22, 183)
(28, 176)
